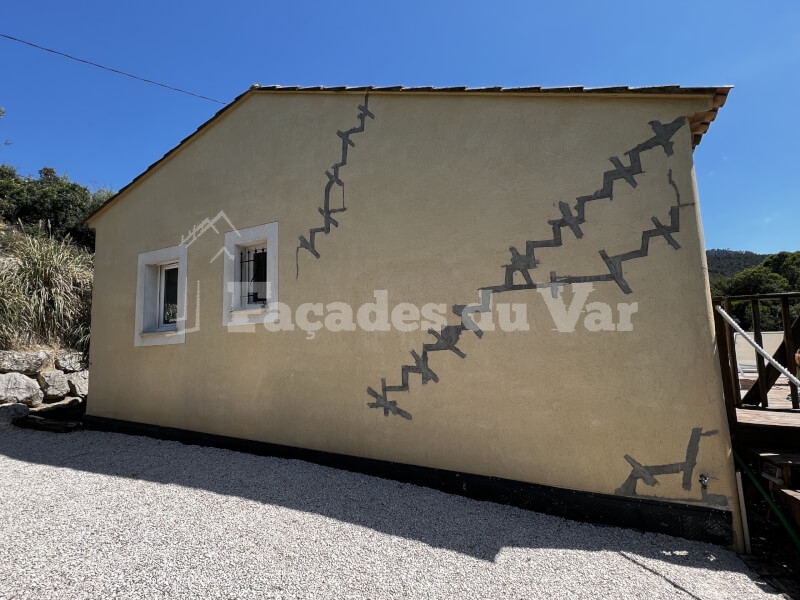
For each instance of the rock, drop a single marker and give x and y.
(68, 402)
(54, 384)
(69, 363)
(15, 387)
(9, 412)
(78, 383)
(29, 363)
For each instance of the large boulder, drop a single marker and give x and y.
(54, 384)
(30, 363)
(69, 363)
(15, 387)
(78, 383)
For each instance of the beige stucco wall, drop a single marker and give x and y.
(437, 189)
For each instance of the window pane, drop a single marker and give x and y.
(170, 308)
(260, 277)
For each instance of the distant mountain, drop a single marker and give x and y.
(724, 263)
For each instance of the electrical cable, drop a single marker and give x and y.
(88, 62)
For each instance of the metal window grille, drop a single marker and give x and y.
(253, 269)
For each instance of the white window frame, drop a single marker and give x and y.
(233, 312)
(149, 327)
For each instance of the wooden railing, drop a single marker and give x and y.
(767, 374)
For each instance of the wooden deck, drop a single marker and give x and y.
(769, 416)
(778, 423)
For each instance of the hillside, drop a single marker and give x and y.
(742, 273)
(724, 263)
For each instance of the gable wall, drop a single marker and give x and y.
(438, 187)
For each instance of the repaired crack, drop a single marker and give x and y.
(448, 337)
(333, 179)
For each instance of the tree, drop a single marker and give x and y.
(786, 264)
(11, 191)
(756, 280)
(777, 273)
(51, 202)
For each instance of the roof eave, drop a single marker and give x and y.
(699, 122)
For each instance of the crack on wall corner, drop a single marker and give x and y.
(647, 473)
(677, 192)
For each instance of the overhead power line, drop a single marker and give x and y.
(88, 62)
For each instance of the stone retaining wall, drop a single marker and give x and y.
(39, 382)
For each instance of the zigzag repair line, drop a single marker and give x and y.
(662, 137)
(333, 179)
(614, 263)
(449, 335)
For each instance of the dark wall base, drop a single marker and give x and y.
(681, 520)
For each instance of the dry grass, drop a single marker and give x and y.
(45, 292)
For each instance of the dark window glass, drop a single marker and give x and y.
(170, 296)
(259, 277)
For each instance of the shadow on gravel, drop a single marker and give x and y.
(477, 529)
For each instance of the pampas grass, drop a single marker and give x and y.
(45, 292)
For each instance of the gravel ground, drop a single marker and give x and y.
(98, 515)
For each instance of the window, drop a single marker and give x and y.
(161, 297)
(168, 297)
(250, 276)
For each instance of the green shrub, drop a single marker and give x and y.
(45, 292)
(51, 198)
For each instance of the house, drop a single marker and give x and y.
(501, 292)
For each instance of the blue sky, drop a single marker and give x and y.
(104, 129)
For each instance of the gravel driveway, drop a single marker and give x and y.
(99, 515)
